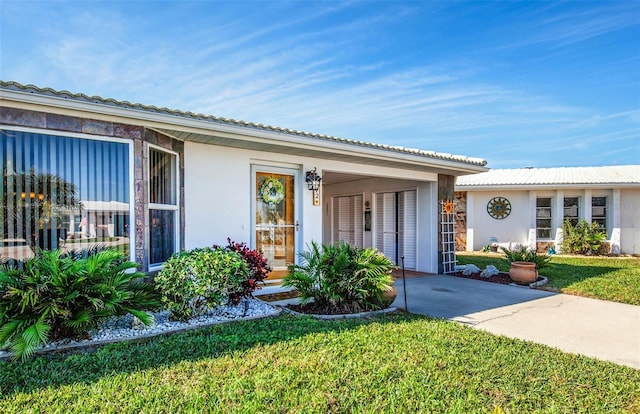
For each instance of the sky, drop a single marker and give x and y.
(520, 84)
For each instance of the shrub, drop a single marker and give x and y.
(54, 296)
(583, 238)
(522, 253)
(342, 277)
(193, 281)
(258, 270)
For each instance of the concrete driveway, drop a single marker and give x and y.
(605, 330)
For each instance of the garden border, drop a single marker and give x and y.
(88, 344)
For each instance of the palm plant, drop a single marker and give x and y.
(523, 253)
(54, 296)
(342, 277)
(583, 238)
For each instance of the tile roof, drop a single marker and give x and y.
(610, 175)
(15, 86)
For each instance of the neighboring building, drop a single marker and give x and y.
(528, 206)
(154, 181)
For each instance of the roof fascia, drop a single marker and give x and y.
(546, 187)
(167, 121)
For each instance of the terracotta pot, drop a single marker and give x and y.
(523, 273)
(390, 296)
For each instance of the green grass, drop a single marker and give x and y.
(396, 363)
(615, 279)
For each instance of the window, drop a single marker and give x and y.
(571, 210)
(63, 192)
(543, 218)
(599, 212)
(163, 206)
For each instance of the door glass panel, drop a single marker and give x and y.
(275, 219)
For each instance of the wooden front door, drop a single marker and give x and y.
(275, 224)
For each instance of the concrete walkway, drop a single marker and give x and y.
(605, 330)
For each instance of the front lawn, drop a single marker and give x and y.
(395, 363)
(608, 278)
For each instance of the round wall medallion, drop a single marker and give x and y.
(499, 207)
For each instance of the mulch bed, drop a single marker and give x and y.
(314, 309)
(502, 278)
(273, 297)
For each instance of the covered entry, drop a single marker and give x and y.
(398, 216)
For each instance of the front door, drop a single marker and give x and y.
(276, 223)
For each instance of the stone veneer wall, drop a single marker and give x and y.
(461, 221)
(140, 136)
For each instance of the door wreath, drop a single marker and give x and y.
(272, 191)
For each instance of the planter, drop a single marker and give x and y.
(389, 296)
(523, 273)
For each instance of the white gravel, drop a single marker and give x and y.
(129, 327)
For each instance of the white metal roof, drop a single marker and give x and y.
(610, 176)
(189, 126)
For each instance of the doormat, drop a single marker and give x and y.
(272, 297)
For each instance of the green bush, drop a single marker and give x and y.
(583, 238)
(522, 253)
(193, 281)
(342, 277)
(54, 296)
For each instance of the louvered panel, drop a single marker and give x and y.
(358, 221)
(409, 226)
(335, 231)
(386, 224)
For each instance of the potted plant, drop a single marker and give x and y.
(525, 263)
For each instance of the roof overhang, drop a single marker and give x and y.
(194, 129)
(546, 187)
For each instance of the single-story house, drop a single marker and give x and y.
(155, 181)
(528, 206)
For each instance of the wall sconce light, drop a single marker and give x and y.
(313, 184)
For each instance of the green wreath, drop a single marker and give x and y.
(272, 191)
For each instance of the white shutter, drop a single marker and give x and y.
(379, 222)
(409, 227)
(348, 220)
(400, 218)
(344, 218)
(386, 224)
(358, 221)
(336, 220)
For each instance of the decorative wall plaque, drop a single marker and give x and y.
(499, 208)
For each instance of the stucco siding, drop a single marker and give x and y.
(512, 229)
(630, 221)
(218, 197)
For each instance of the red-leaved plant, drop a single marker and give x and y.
(258, 269)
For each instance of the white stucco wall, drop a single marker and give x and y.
(623, 216)
(218, 204)
(512, 229)
(630, 221)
